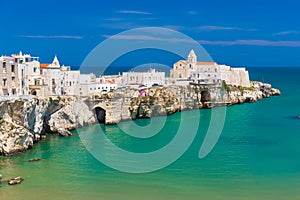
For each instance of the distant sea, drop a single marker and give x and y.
(256, 157)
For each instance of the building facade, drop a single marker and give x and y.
(60, 80)
(144, 78)
(20, 75)
(207, 73)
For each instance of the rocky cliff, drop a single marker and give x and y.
(24, 122)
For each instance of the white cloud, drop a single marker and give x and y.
(222, 28)
(217, 28)
(134, 12)
(253, 43)
(148, 38)
(288, 33)
(208, 42)
(52, 36)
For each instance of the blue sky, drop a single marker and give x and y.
(237, 33)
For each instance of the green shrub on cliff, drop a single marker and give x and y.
(225, 86)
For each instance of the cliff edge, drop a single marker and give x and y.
(25, 122)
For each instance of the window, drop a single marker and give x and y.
(4, 82)
(4, 67)
(34, 69)
(12, 68)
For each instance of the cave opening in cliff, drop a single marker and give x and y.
(100, 114)
(204, 95)
(33, 92)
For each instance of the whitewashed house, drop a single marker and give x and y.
(89, 84)
(61, 80)
(143, 78)
(20, 75)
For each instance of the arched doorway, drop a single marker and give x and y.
(100, 114)
(33, 92)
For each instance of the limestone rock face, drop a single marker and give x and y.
(75, 113)
(23, 122)
(14, 138)
(63, 132)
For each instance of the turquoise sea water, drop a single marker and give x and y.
(256, 157)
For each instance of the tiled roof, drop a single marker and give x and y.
(206, 63)
(109, 81)
(44, 66)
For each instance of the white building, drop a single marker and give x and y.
(60, 80)
(20, 75)
(112, 79)
(144, 78)
(90, 84)
(9, 77)
(207, 73)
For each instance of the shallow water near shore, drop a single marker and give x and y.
(256, 157)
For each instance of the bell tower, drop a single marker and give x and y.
(192, 58)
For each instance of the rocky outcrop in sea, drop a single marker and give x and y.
(25, 122)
